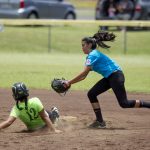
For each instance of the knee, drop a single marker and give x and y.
(92, 96)
(127, 103)
(124, 105)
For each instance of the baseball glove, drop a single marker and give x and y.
(59, 85)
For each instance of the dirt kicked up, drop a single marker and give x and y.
(127, 129)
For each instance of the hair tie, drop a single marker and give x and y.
(94, 40)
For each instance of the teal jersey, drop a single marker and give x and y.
(101, 63)
(30, 117)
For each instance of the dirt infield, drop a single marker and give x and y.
(128, 129)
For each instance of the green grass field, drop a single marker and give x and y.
(37, 70)
(24, 57)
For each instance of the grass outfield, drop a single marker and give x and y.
(37, 70)
(67, 39)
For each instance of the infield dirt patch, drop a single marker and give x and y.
(127, 129)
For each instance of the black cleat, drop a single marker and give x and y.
(98, 125)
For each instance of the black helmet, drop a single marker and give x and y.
(20, 91)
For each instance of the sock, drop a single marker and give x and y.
(98, 115)
(144, 104)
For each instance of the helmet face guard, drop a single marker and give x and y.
(20, 91)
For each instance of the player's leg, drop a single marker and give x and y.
(53, 114)
(117, 83)
(100, 87)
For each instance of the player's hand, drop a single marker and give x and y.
(67, 83)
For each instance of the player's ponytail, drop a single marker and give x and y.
(99, 38)
(102, 36)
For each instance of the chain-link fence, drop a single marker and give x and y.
(67, 38)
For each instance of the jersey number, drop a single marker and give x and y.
(32, 114)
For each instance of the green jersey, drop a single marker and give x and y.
(30, 117)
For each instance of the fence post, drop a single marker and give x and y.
(49, 38)
(1, 27)
(124, 39)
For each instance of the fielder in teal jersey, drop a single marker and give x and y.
(113, 76)
(30, 111)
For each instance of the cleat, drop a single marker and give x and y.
(54, 114)
(98, 125)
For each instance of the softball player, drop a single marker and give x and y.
(112, 73)
(30, 111)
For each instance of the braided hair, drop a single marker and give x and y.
(26, 103)
(99, 38)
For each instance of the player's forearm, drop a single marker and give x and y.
(49, 123)
(78, 78)
(4, 124)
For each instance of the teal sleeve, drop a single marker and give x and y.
(90, 60)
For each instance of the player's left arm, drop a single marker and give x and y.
(46, 119)
(48, 122)
(7, 123)
(80, 76)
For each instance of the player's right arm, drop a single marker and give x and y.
(7, 123)
(80, 76)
